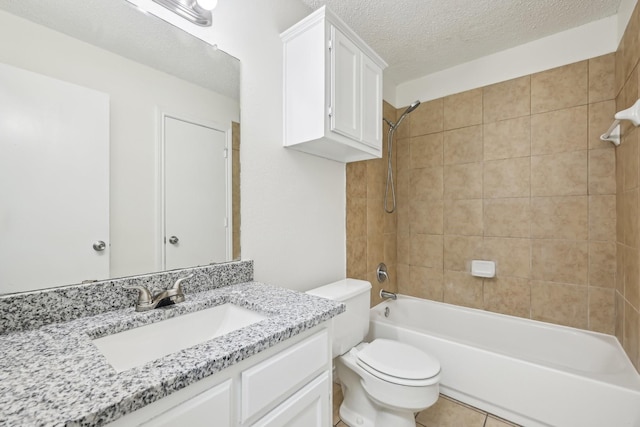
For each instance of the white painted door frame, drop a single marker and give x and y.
(163, 113)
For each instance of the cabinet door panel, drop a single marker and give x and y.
(307, 408)
(371, 103)
(283, 373)
(345, 86)
(211, 408)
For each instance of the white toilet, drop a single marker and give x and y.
(383, 382)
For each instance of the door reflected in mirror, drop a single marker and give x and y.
(195, 163)
(144, 67)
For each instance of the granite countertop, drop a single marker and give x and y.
(54, 375)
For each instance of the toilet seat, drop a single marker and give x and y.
(398, 363)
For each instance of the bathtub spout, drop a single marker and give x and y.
(385, 294)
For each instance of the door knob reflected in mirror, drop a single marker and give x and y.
(174, 240)
(99, 246)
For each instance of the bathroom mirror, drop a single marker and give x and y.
(149, 71)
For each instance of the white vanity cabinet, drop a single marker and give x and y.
(288, 384)
(332, 90)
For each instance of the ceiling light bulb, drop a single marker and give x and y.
(207, 4)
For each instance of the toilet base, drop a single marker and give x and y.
(376, 418)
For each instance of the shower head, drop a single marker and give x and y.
(410, 108)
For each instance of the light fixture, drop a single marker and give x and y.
(207, 4)
(196, 11)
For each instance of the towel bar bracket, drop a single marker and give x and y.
(632, 114)
(612, 136)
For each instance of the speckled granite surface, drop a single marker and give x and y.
(55, 376)
(34, 309)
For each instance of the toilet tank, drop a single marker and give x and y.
(350, 327)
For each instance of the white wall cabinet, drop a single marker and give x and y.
(332, 90)
(288, 384)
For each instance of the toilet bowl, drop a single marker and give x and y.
(384, 382)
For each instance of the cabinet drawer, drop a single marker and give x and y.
(307, 408)
(210, 408)
(281, 375)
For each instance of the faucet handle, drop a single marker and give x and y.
(144, 295)
(178, 295)
(178, 282)
(382, 272)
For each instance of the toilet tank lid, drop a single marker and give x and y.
(341, 290)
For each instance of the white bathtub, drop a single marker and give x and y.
(532, 373)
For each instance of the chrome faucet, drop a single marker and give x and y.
(385, 294)
(147, 301)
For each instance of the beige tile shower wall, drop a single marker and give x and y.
(515, 173)
(628, 228)
(371, 233)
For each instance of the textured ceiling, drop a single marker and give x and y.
(119, 27)
(419, 37)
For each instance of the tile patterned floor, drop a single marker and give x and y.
(445, 413)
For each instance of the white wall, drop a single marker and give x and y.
(584, 42)
(135, 91)
(576, 44)
(293, 204)
(625, 10)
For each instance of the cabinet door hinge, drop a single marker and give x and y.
(330, 111)
(330, 44)
(225, 153)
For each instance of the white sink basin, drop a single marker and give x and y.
(135, 347)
